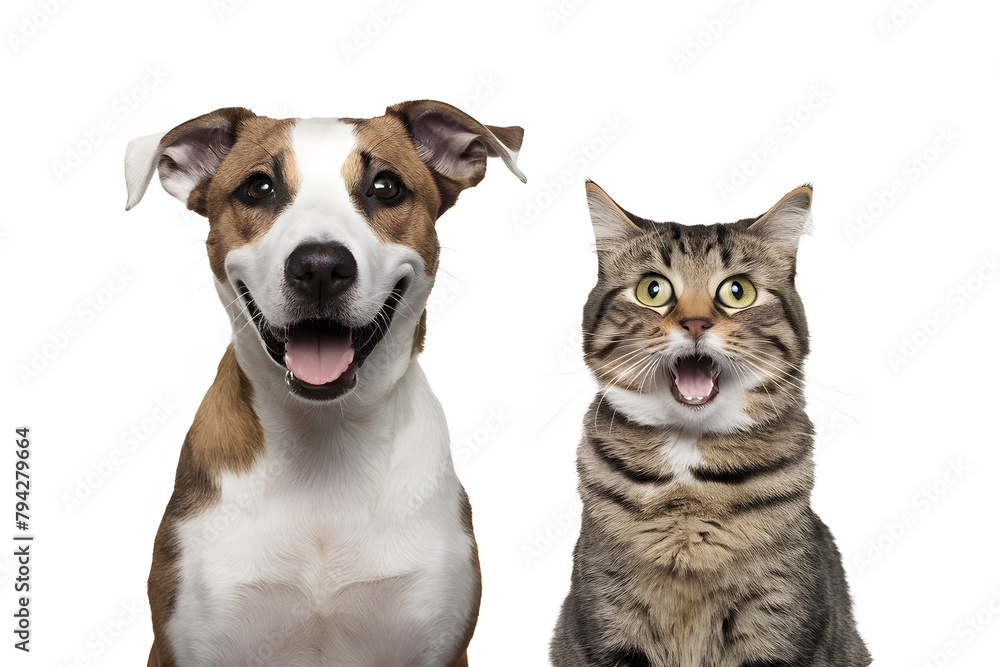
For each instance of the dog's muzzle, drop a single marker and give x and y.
(321, 355)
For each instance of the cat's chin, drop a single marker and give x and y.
(660, 408)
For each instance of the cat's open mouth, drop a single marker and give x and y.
(695, 380)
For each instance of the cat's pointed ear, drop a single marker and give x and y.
(787, 220)
(612, 225)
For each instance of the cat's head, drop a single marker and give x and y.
(698, 327)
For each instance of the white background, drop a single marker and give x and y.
(865, 97)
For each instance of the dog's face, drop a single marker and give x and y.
(322, 231)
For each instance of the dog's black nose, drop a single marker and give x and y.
(320, 271)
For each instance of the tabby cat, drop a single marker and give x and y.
(698, 546)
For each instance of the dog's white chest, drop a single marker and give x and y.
(368, 566)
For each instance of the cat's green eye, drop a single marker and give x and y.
(654, 291)
(737, 292)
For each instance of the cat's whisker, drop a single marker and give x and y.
(622, 361)
(650, 373)
(806, 377)
(615, 374)
(773, 370)
(653, 359)
(563, 407)
(773, 374)
(624, 343)
(763, 384)
(604, 394)
(643, 373)
(625, 358)
(810, 394)
(599, 338)
(627, 376)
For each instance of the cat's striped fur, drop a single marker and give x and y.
(698, 546)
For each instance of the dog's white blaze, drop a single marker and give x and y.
(344, 545)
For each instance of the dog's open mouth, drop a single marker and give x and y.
(695, 380)
(322, 357)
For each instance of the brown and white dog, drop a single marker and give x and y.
(316, 517)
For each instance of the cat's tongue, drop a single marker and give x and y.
(694, 377)
(318, 354)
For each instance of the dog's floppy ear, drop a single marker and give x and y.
(455, 145)
(185, 156)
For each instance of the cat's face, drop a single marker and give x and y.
(697, 327)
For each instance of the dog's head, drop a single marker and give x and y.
(321, 231)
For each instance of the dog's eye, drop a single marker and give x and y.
(259, 186)
(386, 186)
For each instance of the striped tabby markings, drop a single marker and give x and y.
(691, 512)
(701, 549)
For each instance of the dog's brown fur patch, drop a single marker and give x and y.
(262, 145)
(226, 436)
(385, 143)
(466, 509)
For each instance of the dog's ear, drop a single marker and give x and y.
(455, 145)
(185, 156)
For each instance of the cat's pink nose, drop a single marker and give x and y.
(696, 325)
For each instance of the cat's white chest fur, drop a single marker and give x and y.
(658, 408)
(329, 559)
(681, 455)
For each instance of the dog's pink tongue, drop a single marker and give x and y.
(694, 377)
(318, 355)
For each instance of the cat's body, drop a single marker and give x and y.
(698, 546)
